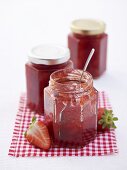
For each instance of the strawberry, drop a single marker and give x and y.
(106, 119)
(38, 135)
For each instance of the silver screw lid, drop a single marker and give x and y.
(49, 54)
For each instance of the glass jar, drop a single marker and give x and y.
(87, 34)
(70, 108)
(43, 60)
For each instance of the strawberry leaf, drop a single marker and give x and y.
(25, 134)
(34, 119)
(100, 122)
(104, 126)
(115, 118)
(113, 126)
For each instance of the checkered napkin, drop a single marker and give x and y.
(104, 144)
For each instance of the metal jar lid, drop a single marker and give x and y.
(49, 54)
(88, 26)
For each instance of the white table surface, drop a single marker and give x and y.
(24, 24)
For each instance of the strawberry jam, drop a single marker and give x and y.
(70, 108)
(43, 60)
(88, 34)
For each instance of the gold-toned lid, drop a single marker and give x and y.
(88, 26)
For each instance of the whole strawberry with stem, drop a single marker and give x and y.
(38, 135)
(106, 119)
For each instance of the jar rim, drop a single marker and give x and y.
(69, 80)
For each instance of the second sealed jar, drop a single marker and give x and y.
(87, 34)
(43, 60)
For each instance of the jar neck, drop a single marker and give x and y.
(52, 67)
(68, 81)
(89, 36)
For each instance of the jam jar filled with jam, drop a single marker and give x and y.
(70, 108)
(43, 60)
(87, 34)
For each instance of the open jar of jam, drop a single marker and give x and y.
(87, 34)
(70, 108)
(43, 60)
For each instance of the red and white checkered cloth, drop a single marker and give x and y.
(104, 144)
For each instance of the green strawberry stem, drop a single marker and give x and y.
(34, 119)
(25, 134)
(107, 120)
(31, 124)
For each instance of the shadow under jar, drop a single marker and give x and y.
(87, 34)
(43, 60)
(70, 108)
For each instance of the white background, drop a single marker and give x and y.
(25, 23)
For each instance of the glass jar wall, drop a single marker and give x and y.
(71, 108)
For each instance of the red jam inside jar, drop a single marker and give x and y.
(88, 34)
(70, 108)
(43, 60)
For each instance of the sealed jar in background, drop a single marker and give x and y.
(87, 34)
(70, 108)
(43, 60)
